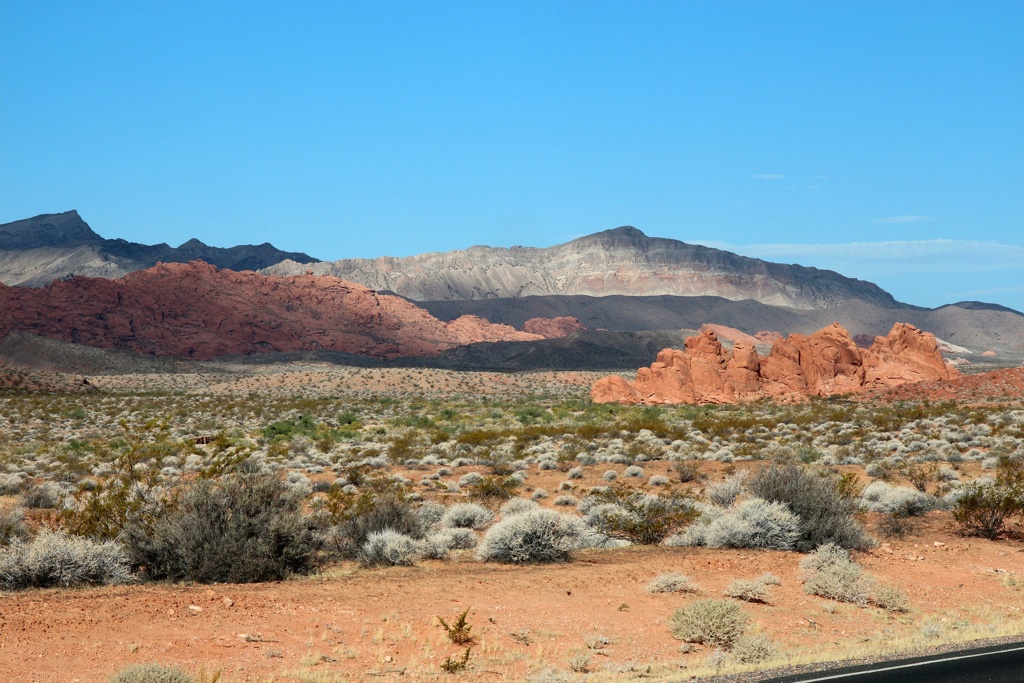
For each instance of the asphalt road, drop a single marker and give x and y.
(996, 664)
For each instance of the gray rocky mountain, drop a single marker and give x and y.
(623, 261)
(35, 251)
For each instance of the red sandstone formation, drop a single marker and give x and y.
(824, 363)
(198, 311)
(553, 328)
(731, 334)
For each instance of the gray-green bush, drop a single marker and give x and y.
(825, 509)
(536, 536)
(54, 558)
(240, 529)
(151, 673)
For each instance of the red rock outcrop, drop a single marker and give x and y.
(553, 328)
(198, 311)
(824, 363)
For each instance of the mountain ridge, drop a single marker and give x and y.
(622, 261)
(35, 251)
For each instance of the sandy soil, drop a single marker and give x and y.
(360, 622)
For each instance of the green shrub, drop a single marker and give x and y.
(984, 509)
(533, 537)
(824, 504)
(151, 673)
(371, 510)
(711, 622)
(240, 529)
(638, 517)
(53, 558)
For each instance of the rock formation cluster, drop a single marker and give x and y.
(196, 310)
(824, 363)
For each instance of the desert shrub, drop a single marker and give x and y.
(711, 622)
(240, 529)
(688, 470)
(830, 573)
(757, 589)
(12, 525)
(610, 475)
(517, 506)
(754, 649)
(824, 504)
(430, 514)
(575, 473)
(658, 480)
(983, 509)
(641, 518)
(358, 514)
(566, 501)
(389, 548)
(672, 583)
(634, 471)
(537, 536)
(151, 673)
(723, 494)
(891, 599)
(466, 516)
(439, 543)
(54, 558)
(48, 496)
(754, 523)
(880, 496)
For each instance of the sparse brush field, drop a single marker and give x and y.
(333, 524)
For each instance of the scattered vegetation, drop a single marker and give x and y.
(711, 622)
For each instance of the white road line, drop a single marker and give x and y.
(907, 666)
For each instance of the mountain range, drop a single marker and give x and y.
(35, 251)
(621, 284)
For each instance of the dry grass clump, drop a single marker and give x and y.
(672, 583)
(151, 673)
(711, 622)
(830, 573)
(757, 589)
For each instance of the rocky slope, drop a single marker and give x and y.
(977, 328)
(196, 310)
(38, 250)
(824, 363)
(621, 261)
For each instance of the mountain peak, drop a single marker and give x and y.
(622, 231)
(47, 230)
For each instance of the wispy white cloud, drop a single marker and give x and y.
(769, 176)
(937, 255)
(896, 220)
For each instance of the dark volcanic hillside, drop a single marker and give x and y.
(38, 250)
(197, 311)
(623, 261)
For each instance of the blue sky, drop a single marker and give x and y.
(884, 140)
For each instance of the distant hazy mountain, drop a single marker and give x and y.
(38, 250)
(623, 261)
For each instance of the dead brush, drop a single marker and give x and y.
(459, 630)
